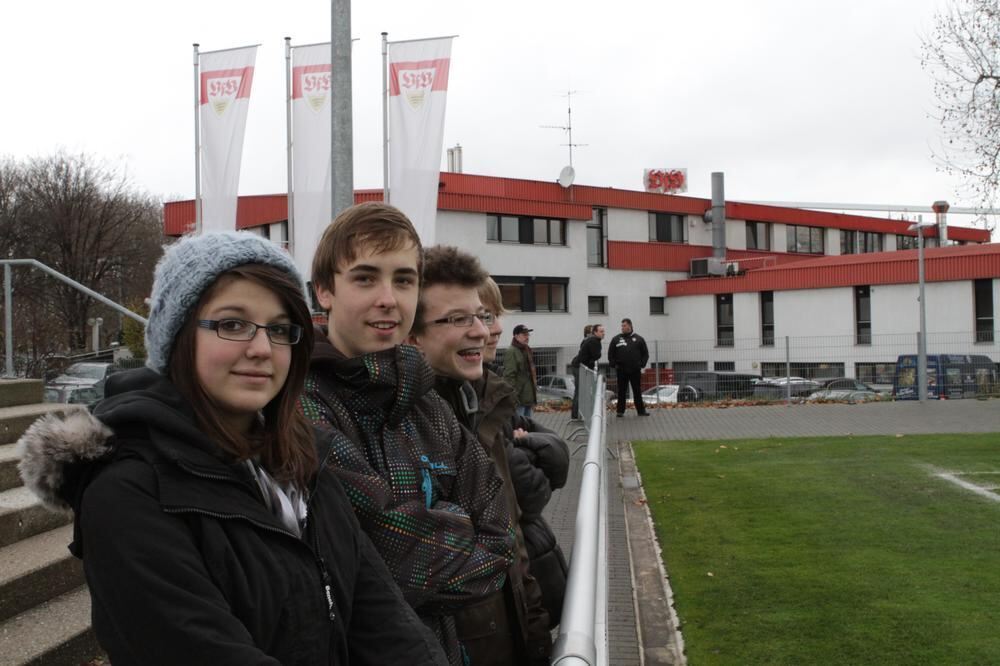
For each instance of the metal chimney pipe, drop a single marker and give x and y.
(718, 215)
(941, 212)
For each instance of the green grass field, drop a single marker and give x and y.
(830, 550)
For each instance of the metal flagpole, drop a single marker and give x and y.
(342, 133)
(385, 117)
(197, 145)
(288, 138)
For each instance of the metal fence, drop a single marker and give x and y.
(869, 358)
(582, 639)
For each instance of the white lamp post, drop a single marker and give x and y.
(96, 332)
(940, 207)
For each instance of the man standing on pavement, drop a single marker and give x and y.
(628, 354)
(519, 371)
(589, 354)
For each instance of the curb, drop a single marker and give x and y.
(657, 624)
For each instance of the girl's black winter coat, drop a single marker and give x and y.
(187, 566)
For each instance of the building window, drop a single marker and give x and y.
(863, 315)
(910, 242)
(767, 319)
(656, 305)
(870, 241)
(807, 240)
(984, 310)
(525, 230)
(531, 294)
(848, 242)
(666, 227)
(875, 373)
(597, 234)
(724, 366)
(597, 304)
(758, 235)
(724, 320)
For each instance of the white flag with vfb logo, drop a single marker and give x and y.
(224, 95)
(312, 175)
(418, 86)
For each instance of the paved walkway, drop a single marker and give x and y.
(801, 420)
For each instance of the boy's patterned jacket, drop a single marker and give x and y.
(421, 486)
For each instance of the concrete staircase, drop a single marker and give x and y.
(44, 603)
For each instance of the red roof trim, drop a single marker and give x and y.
(513, 196)
(945, 264)
(652, 256)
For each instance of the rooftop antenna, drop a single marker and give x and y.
(568, 127)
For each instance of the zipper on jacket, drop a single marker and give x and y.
(317, 558)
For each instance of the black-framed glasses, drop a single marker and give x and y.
(241, 330)
(466, 320)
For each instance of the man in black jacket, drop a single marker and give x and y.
(589, 354)
(628, 354)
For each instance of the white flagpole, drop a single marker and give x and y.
(385, 117)
(288, 137)
(197, 145)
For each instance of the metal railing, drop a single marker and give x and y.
(8, 303)
(582, 639)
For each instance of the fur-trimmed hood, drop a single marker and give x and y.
(55, 448)
(61, 452)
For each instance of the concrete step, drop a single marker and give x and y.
(9, 478)
(20, 392)
(57, 633)
(22, 515)
(15, 420)
(37, 569)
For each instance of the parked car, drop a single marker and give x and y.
(88, 373)
(850, 396)
(719, 385)
(776, 388)
(69, 394)
(669, 394)
(552, 387)
(845, 383)
(560, 387)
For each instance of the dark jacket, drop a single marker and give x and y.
(628, 353)
(589, 354)
(539, 464)
(422, 487)
(185, 563)
(517, 373)
(511, 626)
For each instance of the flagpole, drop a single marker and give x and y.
(288, 138)
(197, 145)
(341, 121)
(385, 117)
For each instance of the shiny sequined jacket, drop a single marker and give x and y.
(421, 486)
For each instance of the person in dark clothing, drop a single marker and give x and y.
(519, 370)
(538, 459)
(209, 531)
(589, 354)
(511, 627)
(422, 487)
(628, 354)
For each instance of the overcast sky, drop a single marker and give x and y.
(794, 100)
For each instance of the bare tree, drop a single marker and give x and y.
(85, 220)
(962, 54)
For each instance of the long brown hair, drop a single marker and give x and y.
(284, 443)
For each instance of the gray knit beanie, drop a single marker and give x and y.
(187, 269)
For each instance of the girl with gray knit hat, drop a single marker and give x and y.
(209, 531)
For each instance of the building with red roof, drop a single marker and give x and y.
(841, 288)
